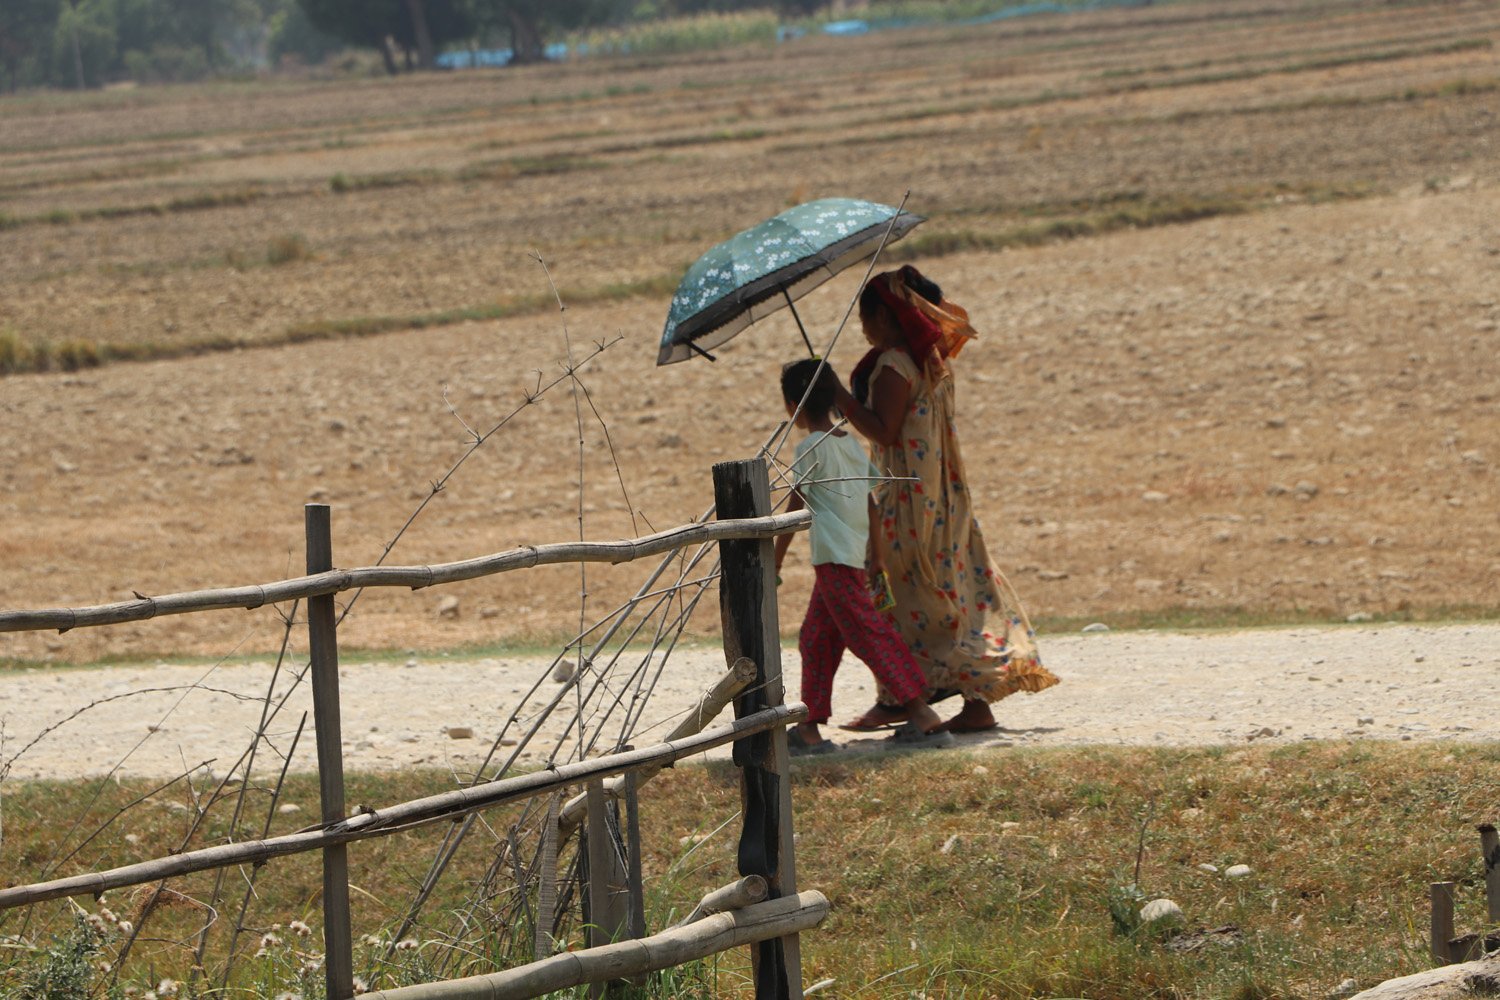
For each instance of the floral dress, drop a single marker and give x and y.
(962, 620)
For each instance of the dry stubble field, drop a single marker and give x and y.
(1235, 266)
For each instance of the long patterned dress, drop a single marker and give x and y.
(960, 617)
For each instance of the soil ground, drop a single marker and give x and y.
(1283, 409)
(1400, 682)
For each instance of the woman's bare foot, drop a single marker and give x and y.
(975, 717)
(923, 717)
(809, 732)
(879, 717)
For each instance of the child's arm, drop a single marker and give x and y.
(784, 542)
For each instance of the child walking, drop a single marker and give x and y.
(834, 477)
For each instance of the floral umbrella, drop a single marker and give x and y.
(770, 265)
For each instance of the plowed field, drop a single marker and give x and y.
(1235, 266)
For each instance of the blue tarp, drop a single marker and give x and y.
(466, 58)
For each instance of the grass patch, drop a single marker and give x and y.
(529, 166)
(1099, 217)
(203, 201)
(1342, 840)
(288, 248)
(342, 183)
(1190, 619)
(19, 354)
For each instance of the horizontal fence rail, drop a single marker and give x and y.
(406, 815)
(415, 577)
(623, 959)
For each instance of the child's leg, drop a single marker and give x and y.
(870, 635)
(821, 644)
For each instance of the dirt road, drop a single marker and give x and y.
(1139, 688)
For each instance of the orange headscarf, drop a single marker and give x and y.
(927, 326)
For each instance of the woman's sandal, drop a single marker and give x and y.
(910, 736)
(874, 720)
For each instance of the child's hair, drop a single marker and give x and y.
(796, 376)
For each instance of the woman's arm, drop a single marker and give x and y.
(880, 421)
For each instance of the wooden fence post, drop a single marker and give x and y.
(637, 915)
(747, 608)
(1442, 922)
(1489, 846)
(608, 916)
(323, 645)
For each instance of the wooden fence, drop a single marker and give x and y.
(763, 909)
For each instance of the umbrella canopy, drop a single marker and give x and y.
(770, 265)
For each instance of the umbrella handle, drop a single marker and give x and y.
(792, 306)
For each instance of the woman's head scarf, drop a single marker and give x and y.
(933, 328)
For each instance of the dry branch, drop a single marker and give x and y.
(403, 816)
(623, 959)
(416, 577)
(708, 708)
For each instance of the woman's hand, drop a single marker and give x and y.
(880, 421)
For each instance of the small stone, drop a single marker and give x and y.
(1190, 813)
(949, 845)
(1160, 909)
(1347, 988)
(1211, 869)
(1095, 627)
(448, 607)
(1366, 720)
(1237, 871)
(459, 732)
(1051, 574)
(692, 839)
(1155, 496)
(1360, 616)
(287, 808)
(411, 664)
(1305, 490)
(980, 769)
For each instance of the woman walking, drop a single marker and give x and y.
(960, 617)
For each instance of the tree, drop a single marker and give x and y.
(26, 30)
(84, 41)
(529, 21)
(413, 26)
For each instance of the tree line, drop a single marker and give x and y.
(90, 43)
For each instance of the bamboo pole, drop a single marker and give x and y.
(323, 645)
(1442, 922)
(732, 929)
(735, 896)
(712, 702)
(1489, 846)
(416, 577)
(403, 816)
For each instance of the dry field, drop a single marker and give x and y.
(1236, 266)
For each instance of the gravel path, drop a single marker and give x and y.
(1136, 688)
